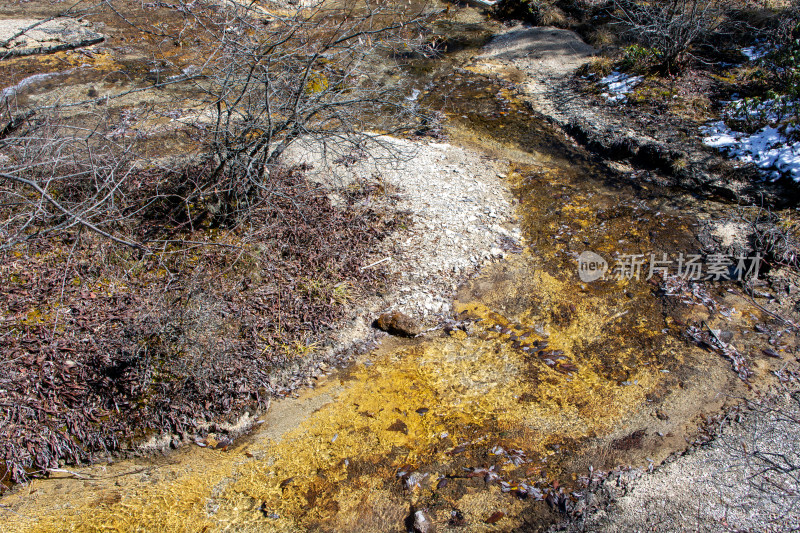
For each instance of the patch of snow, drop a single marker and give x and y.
(755, 52)
(483, 3)
(10, 92)
(619, 85)
(768, 148)
(764, 110)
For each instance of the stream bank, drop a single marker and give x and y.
(466, 425)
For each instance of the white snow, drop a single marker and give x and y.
(753, 109)
(10, 92)
(755, 52)
(619, 85)
(768, 148)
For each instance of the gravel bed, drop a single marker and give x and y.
(461, 211)
(747, 479)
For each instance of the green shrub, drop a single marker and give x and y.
(639, 58)
(779, 105)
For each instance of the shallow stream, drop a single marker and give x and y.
(489, 423)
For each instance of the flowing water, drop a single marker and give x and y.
(488, 424)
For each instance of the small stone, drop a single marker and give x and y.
(422, 524)
(495, 517)
(399, 426)
(398, 324)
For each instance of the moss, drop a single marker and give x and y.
(35, 317)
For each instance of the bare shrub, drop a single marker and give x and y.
(670, 28)
(775, 237)
(145, 295)
(321, 74)
(58, 176)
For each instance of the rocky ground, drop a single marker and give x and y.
(745, 479)
(460, 212)
(26, 37)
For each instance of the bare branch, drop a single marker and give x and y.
(69, 213)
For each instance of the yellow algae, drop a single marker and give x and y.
(542, 368)
(586, 399)
(395, 427)
(430, 409)
(375, 428)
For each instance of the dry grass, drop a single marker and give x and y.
(601, 37)
(599, 66)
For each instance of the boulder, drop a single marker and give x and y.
(398, 324)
